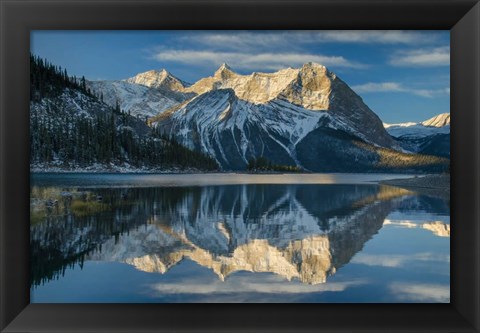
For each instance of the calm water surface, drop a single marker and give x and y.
(236, 238)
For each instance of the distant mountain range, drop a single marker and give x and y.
(431, 136)
(304, 117)
(439, 124)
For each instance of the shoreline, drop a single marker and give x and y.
(437, 185)
(120, 171)
(114, 170)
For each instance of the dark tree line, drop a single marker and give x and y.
(48, 80)
(103, 135)
(263, 164)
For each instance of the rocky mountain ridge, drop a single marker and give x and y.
(431, 136)
(440, 120)
(305, 117)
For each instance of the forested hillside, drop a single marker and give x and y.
(70, 127)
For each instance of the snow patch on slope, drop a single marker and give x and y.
(138, 100)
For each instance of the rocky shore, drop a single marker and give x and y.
(434, 185)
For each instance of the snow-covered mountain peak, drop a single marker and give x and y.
(316, 69)
(161, 79)
(148, 77)
(146, 94)
(314, 65)
(440, 120)
(137, 99)
(162, 72)
(439, 124)
(223, 67)
(224, 72)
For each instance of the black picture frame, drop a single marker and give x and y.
(19, 17)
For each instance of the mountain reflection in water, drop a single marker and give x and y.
(304, 232)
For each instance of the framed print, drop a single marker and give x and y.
(226, 166)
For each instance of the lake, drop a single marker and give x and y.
(322, 238)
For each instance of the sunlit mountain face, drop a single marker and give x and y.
(305, 233)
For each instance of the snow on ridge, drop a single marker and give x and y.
(439, 124)
(158, 79)
(137, 99)
(407, 124)
(206, 118)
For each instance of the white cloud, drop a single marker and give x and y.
(378, 36)
(432, 93)
(379, 260)
(251, 61)
(439, 56)
(397, 260)
(239, 41)
(267, 284)
(373, 87)
(274, 39)
(378, 87)
(435, 293)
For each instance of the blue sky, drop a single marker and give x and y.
(401, 75)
